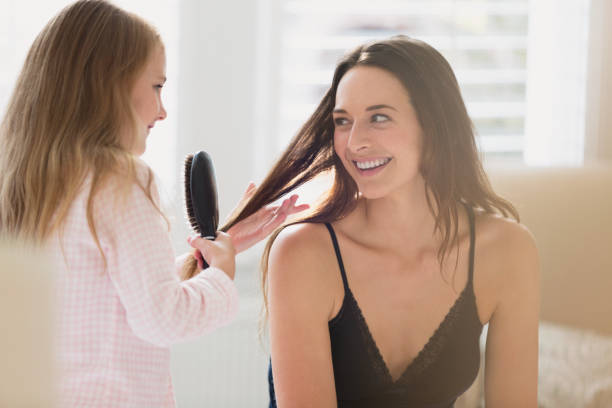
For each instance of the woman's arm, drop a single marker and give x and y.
(511, 372)
(300, 303)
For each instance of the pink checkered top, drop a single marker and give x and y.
(116, 323)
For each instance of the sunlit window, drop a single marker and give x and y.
(485, 41)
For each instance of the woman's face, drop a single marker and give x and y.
(146, 97)
(377, 133)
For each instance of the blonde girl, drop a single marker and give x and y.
(86, 99)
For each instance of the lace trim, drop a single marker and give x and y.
(374, 355)
(433, 348)
(430, 351)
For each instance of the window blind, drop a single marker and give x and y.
(485, 42)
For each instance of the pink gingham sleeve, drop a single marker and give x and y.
(160, 308)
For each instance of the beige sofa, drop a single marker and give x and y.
(569, 211)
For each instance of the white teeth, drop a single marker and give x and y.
(365, 165)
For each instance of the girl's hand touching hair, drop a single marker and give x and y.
(257, 226)
(240, 237)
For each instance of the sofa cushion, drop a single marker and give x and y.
(569, 211)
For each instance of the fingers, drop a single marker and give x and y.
(291, 208)
(257, 226)
(287, 207)
(222, 241)
(222, 237)
(299, 208)
(248, 193)
(199, 258)
(197, 254)
(278, 216)
(282, 210)
(219, 253)
(250, 188)
(275, 215)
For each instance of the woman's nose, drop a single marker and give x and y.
(358, 138)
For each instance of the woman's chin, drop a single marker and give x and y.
(373, 193)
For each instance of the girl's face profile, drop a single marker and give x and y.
(146, 97)
(377, 134)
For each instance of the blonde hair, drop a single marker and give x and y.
(70, 117)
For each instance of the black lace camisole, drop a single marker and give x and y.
(443, 370)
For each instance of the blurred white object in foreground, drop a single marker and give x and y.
(27, 377)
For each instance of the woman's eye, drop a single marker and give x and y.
(379, 118)
(158, 87)
(340, 121)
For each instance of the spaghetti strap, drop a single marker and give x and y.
(338, 256)
(470, 213)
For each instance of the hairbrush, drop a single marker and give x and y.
(201, 195)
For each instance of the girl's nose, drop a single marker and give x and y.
(162, 113)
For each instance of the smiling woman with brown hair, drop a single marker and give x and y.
(379, 297)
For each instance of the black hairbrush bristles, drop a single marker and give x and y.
(188, 205)
(201, 195)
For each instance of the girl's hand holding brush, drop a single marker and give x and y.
(219, 253)
(203, 214)
(252, 229)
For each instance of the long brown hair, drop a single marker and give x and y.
(450, 163)
(70, 117)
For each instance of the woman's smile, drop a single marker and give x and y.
(370, 167)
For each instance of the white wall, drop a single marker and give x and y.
(598, 146)
(216, 112)
(556, 106)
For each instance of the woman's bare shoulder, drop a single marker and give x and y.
(503, 238)
(303, 246)
(299, 265)
(506, 261)
(300, 244)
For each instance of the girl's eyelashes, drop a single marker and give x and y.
(158, 87)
